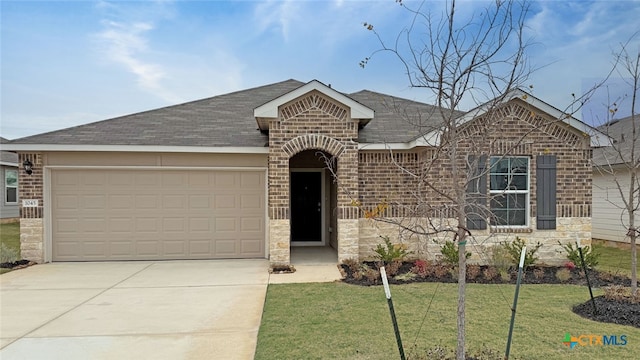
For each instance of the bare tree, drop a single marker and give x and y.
(479, 59)
(620, 162)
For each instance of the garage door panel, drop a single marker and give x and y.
(91, 225)
(225, 201)
(157, 214)
(200, 225)
(66, 202)
(252, 225)
(93, 201)
(175, 248)
(121, 249)
(251, 180)
(145, 179)
(251, 202)
(120, 202)
(144, 202)
(175, 202)
(226, 247)
(251, 246)
(174, 224)
(147, 225)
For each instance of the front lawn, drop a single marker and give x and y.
(614, 260)
(341, 321)
(10, 243)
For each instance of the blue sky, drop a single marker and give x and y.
(74, 62)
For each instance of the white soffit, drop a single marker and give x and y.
(139, 148)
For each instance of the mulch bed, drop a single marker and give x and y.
(616, 311)
(445, 274)
(610, 311)
(16, 264)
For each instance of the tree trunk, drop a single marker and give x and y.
(633, 232)
(462, 273)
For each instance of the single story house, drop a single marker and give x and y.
(9, 210)
(611, 175)
(245, 175)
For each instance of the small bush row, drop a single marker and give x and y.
(504, 255)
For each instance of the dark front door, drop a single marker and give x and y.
(306, 207)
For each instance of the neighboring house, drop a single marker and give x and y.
(238, 176)
(611, 174)
(9, 209)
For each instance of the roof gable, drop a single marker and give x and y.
(269, 110)
(597, 137)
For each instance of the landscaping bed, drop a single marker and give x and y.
(613, 307)
(367, 274)
(19, 264)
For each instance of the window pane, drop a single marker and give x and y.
(519, 165)
(498, 202)
(516, 201)
(516, 217)
(499, 218)
(12, 195)
(518, 182)
(11, 177)
(499, 182)
(500, 166)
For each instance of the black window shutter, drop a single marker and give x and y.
(477, 195)
(546, 191)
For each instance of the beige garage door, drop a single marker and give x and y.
(157, 214)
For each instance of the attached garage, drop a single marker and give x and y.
(156, 214)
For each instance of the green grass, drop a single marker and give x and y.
(341, 321)
(614, 260)
(10, 239)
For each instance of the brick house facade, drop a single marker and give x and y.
(376, 158)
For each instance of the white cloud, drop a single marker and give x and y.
(125, 42)
(277, 14)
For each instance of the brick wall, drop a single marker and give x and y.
(312, 122)
(31, 222)
(514, 129)
(31, 186)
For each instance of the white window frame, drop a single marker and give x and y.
(7, 187)
(526, 192)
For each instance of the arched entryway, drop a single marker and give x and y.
(313, 202)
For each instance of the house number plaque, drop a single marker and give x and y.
(30, 203)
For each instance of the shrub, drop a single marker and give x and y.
(352, 264)
(7, 254)
(514, 249)
(621, 294)
(372, 275)
(490, 273)
(473, 271)
(563, 275)
(440, 271)
(421, 268)
(505, 275)
(500, 258)
(538, 273)
(389, 252)
(590, 254)
(392, 268)
(450, 253)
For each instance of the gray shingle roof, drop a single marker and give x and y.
(621, 132)
(227, 120)
(6, 156)
(396, 119)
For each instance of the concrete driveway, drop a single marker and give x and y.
(135, 310)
